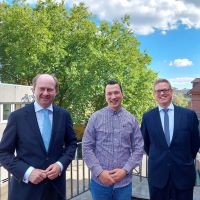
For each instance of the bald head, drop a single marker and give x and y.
(34, 81)
(45, 88)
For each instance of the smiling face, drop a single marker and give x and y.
(44, 90)
(163, 94)
(114, 96)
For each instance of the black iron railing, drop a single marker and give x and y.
(77, 178)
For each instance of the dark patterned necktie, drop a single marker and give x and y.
(166, 126)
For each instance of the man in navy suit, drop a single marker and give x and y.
(171, 141)
(38, 165)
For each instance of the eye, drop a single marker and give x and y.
(163, 90)
(49, 90)
(42, 89)
(116, 92)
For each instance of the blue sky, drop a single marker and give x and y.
(175, 55)
(168, 29)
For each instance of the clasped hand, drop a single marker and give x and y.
(110, 177)
(38, 175)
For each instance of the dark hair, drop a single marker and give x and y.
(34, 81)
(162, 80)
(112, 82)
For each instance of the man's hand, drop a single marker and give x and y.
(106, 178)
(37, 176)
(53, 171)
(117, 174)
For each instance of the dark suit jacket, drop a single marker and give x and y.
(22, 134)
(177, 160)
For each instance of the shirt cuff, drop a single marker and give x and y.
(127, 169)
(96, 171)
(27, 174)
(61, 165)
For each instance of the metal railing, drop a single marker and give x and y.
(77, 178)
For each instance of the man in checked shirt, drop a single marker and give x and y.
(112, 147)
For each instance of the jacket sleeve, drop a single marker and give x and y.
(145, 135)
(70, 142)
(195, 135)
(8, 158)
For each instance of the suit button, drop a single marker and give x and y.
(47, 158)
(168, 164)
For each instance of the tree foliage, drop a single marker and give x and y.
(83, 55)
(180, 99)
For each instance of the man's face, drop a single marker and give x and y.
(113, 96)
(163, 94)
(45, 90)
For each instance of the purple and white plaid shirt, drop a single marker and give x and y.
(112, 140)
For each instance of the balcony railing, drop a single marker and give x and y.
(78, 179)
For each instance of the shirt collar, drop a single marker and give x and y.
(170, 107)
(110, 110)
(38, 107)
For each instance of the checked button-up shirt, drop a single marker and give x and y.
(112, 140)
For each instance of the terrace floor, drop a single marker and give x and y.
(140, 191)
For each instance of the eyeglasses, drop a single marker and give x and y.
(163, 91)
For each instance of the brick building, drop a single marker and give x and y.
(195, 96)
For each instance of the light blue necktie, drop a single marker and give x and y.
(166, 126)
(46, 131)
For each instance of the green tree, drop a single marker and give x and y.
(82, 55)
(180, 99)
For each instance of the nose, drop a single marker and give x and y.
(45, 92)
(112, 96)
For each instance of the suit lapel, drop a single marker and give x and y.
(32, 120)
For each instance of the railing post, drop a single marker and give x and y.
(73, 179)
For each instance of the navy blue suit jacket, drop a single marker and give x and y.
(176, 160)
(22, 134)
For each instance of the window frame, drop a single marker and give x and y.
(12, 108)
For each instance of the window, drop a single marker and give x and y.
(5, 110)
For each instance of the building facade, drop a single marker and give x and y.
(12, 97)
(195, 96)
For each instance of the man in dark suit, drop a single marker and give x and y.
(171, 141)
(37, 148)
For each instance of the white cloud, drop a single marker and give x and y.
(195, 2)
(181, 62)
(32, 2)
(148, 15)
(182, 82)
